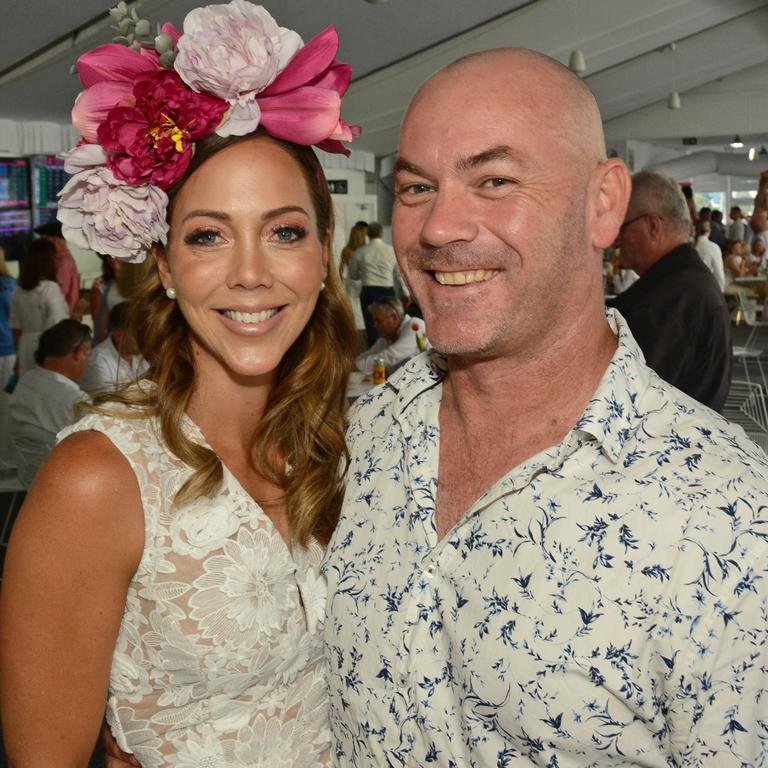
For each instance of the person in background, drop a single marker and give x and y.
(401, 336)
(45, 398)
(547, 555)
(358, 236)
(116, 361)
(7, 364)
(105, 294)
(687, 190)
(709, 252)
(735, 263)
(676, 310)
(37, 303)
(756, 259)
(67, 275)
(738, 229)
(375, 266)
(717, 234)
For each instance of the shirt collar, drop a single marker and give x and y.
(609, 417)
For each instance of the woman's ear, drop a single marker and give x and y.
(610, 188)
(163, 268)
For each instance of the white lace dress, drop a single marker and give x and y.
(218, 659)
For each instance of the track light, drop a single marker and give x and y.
(673, 100)
(752, 153)
(577, 63)
(763, 151)
(737, 143)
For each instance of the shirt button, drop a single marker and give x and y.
(430, 572)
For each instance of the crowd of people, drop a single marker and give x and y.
(528, 547)
(45, 367)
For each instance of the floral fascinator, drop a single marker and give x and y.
(146, 103)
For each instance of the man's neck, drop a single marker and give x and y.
(497, 413)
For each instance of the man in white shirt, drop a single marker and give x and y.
(375, 266)
(399, 336)
(709, 252)
(546, 554)
(44, 400)
(116, 360)
(738, 229)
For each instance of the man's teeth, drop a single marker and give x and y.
(251, 317)
(462, 278)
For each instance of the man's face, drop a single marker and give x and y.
(489, 217)
(386, 322)
(633, 239)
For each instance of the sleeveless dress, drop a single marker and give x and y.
(218, 659)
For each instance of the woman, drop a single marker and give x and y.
(37, 303)
(176, 534)
(7, 363)
(104, 295)
(357, 239)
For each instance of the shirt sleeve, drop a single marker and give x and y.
(717, 712)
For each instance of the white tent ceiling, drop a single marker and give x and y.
(719, 63)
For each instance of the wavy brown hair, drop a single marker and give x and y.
(302, 425)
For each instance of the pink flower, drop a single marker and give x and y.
(234, 51)
(99, 212)
(152, 141)
(303, 104)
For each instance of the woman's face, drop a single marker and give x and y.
(245, 257)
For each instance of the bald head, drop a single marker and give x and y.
(527, 83)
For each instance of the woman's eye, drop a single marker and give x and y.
(289, 234)
(202, 237)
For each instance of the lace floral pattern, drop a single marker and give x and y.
(217, 659)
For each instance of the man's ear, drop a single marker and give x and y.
(163, 268)
(609, 189)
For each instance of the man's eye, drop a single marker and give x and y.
(413, 189)
(496, 182)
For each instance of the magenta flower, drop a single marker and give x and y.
(303, 104)
(152, 141)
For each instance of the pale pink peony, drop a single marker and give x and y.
(99, 212)
(84, 156)
(234, 51)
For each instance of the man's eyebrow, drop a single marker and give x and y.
(405, 166)
(501, 152)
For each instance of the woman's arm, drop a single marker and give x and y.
(74, 549)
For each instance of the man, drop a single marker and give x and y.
(709, 253)
(399, 336)
(738, 228)
(116, 360)
(717, 233)
(547, 555)
(44, 400)
(67, 275)
(676, 310)
(376, 267)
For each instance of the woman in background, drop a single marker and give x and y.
(37, 303)
(357, 239)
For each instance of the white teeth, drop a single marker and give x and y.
(462, 278)
(250, 317)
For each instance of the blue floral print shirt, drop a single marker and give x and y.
(605, 603)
